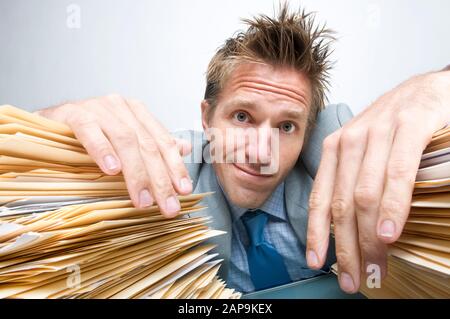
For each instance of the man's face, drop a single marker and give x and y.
(259, 97)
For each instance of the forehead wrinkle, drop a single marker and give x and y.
(271, 87)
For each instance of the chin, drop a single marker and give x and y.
(247, 198)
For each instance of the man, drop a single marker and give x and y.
(274, 76)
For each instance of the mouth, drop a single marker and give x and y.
(251, 171)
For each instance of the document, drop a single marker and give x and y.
(67, 230)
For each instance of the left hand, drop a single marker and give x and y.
(367, 172)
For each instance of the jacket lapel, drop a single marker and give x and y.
(297, 189)
(219, 210)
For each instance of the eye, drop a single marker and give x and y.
(241, 116)
(287, 127)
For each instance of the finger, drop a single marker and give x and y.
(159, 186)
(124, 141)
(88, 132)
(167, 146)
(58, 113)
(319, 218)
(160, 182)
(351, 151)
(402, 167)
(367, 196)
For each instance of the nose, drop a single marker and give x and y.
(259, 146)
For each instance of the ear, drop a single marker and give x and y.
(206, 109)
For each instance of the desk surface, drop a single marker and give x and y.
(321, 287)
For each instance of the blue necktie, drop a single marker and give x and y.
(266, 265)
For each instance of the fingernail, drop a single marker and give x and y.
(172, 205)
(145, 199)
(346, 282)
(186, 185)
(387, 229)
(110, 162)
(312, 258)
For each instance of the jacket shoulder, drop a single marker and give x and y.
(329, 120)
(194, 160)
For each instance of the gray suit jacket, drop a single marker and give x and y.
(298, 183)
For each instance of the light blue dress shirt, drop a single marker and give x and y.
(278, 232)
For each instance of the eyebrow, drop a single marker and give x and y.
(292, 114)
(241, 103)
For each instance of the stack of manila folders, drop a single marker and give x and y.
(67, 230)
(419, 262)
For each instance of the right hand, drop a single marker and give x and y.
(121, 135)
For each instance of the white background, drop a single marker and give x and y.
(157, 51)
